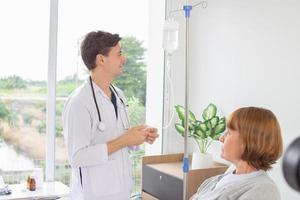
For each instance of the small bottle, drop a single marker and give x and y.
(32, 184)
(28, 182)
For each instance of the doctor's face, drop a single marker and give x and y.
(233, 147)
(114, 61)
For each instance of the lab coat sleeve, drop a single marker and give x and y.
(78, 131)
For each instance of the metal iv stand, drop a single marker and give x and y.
(187, 10)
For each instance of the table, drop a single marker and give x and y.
(146, 196)
(50, 190)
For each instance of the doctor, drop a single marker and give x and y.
(96, 126)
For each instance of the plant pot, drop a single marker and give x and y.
(200, 160)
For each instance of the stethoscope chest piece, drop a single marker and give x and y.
(101, 126)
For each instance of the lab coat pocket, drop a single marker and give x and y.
(104, 179)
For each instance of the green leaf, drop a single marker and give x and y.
(209, 112)
(196, 125)
(222, 120)
(220, 128)
(203, 127)
(214, 121)
(191, 127)
(179, 129)
(216, 137)
(208, 125)
(181, 113)
(200, 134)
(208, 133)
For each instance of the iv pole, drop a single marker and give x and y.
(187, 9)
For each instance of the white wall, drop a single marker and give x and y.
(242, 53)
(155, 69)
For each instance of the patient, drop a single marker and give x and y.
(252, 143)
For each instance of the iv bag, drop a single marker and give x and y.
(170, 37)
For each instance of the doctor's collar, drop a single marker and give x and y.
(98, 89)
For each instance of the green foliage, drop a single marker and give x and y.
(42, 127)
(13, 119)
(181, 114)
(27, 118)
(15, 84)
(8, 115)
(12, 82)
(4, 112)
(65, 89)
(62, 173)
(58, 125)
(205, 131)
(133, 80)
(59, 107)
(58, 130)
(136, 112)
(66, 86)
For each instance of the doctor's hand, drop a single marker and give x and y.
(152, 135)
(136, 135)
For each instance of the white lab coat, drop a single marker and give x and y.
(95, 175)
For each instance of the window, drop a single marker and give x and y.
(131, 24)
(24, 66)
(23, 87)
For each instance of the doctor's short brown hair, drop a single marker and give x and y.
(97, 42)
(260, 133)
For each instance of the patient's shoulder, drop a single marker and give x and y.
(263, 187)
(264, 180)
(209, 183)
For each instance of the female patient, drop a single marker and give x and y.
(252, 143)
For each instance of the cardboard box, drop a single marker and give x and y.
(162, 176)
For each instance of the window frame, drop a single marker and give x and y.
(51, 88)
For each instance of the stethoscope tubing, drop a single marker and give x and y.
(94, 97)
(96, 104)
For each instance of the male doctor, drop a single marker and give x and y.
(96, 126)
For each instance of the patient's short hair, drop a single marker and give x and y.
(260, 133)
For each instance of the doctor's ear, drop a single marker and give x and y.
(100, 59)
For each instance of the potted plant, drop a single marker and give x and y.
(202, 131)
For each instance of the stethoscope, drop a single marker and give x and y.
(101, 125)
